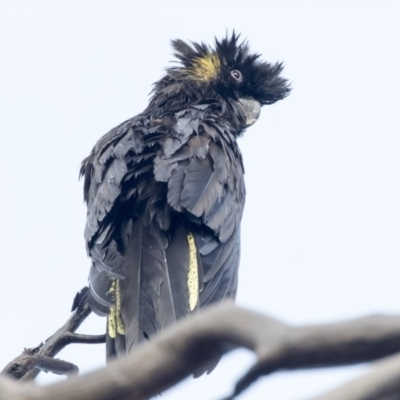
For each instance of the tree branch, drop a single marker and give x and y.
(195, 342)
(382, 383)
(84, 339)
(328, 345)
(56, 366)
(31, 361)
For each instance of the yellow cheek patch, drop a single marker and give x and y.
(193, 274)
(115, 324)
(205, 68)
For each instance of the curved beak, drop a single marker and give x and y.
(251, 109)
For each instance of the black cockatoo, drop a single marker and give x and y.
(165, 192)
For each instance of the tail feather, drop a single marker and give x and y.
(158, 281)
(146, 298)
(220, 279)
(178, 265)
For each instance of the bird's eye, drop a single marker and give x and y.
(236, 75)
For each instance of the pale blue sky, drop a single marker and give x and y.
(321, 230)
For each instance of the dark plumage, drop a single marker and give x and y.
(165, 192)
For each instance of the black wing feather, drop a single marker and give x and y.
(201, 188)
(147, 188)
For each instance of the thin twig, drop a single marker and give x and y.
(24, 367)
(54, 365)
(84, 339)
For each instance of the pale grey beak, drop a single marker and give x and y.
(251, 109)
